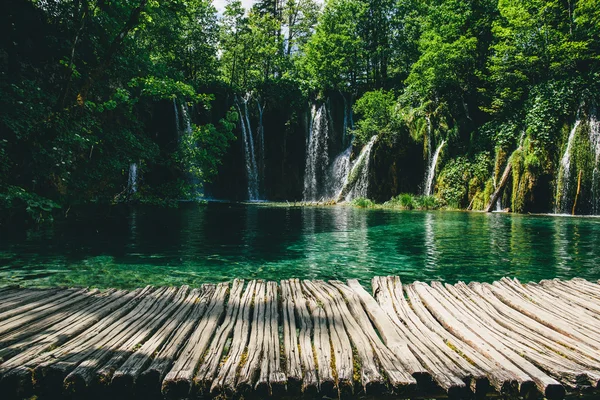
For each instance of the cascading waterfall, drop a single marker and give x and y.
(595, 142)
(185, 134)
(177, 126)
(499, 201)
(132, 180)
(565, 168)
(357, 182)
(261, 142)
(187, 122)
(338, 174)
(348, 123)
(317, 158)
(248, 142)
(431, 170)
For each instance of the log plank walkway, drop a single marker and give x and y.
(304, 339)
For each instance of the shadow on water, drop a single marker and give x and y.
(133, 246)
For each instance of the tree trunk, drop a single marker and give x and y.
(133, 20)
(500, 188)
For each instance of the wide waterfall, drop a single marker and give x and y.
(564, 174)
(357, 181)
(317, 158)
(132, 181)
(431, 171)
(248, 142)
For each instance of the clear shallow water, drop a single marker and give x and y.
(131, 247)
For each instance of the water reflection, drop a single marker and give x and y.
(132, 247)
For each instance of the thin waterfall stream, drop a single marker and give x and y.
(431, 170)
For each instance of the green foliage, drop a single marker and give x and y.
(38, 208)
(377, 112)
(407, 201)
(461, 178)
(362, 202)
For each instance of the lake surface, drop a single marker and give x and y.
(192, 244)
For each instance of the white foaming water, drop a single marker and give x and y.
(431, 171)
(261, 142)
(595, 143)
(249, 156)
(357, 182)
(132, 181)
(317, 158)
(565, 167)
(177, 127)
(338, 174)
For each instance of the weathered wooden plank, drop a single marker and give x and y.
(504, 381)
(393, 353)
(322, 344)
(573, 291)
(561, 309)
(310, 383)
(447, 376)
(472, 333)
(390, 295)
(50, 307)
(290, 339)
(35, 303)
(271, 379)
(542, 316)
(57, 334)
(251, 365)
(148, 383)
(208, 368)
(138, 336)
(21, 336)
(24, 296)
(226, 378)
(82, 376)
(548, 386)
(371, 351)
(52, 367)
(587, 354)
(81, 326)
(178, 381)
(565, 303)
(558, 360)
(6, 291)
(340, 343)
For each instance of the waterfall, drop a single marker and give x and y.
(132, 181)
(348, 124)
(565, 167)
(177, 127)
(595, 142)
(261, 142)
(431, 170)
(317, 158)
(339, 171)
(248, 142)
(187, 128)
(357, 182)
(185, 133)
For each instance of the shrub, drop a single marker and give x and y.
(363, 202)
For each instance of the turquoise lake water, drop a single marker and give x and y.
(192, 244)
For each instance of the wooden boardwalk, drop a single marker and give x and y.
(303, 338)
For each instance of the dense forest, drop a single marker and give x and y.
(474, 103)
